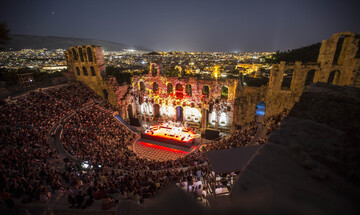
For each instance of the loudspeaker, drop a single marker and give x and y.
(211, 134)
(135, 122)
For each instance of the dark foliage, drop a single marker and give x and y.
(305, 54)
(119, 74)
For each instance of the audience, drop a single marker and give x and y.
(32, 170)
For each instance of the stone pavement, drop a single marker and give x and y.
(160, 151)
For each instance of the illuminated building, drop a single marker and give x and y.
(189, 100)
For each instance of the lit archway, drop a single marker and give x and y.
(156, 110)
(155, 88)
(224, 93)
(260, 109)
(179, 114)
(142, 87)
(206, 91)
(170, 89)
(188, 90)
(179, 90)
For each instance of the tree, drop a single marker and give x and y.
(4, 35)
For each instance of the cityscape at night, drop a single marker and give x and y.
(179, 107)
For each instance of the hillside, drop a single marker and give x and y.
(51, 42)
(305, 54)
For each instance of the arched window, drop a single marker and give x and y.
(77, 71)
(89, 53)
(309, 78)
(206, 91)
(142, 87)
(179, 90)
(339, 46)
(224, 92)
(286, 82)
(92, 71)
(334, 77)
(155, 88)
(74, 53)
(105, 92)
(170, 88)
(188, 90)
(81, 54)
(85, 71)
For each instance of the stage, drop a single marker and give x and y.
(170, 133)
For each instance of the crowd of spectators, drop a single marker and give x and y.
(273, 123)
(32, 170)
(27, 161)
(237, 139)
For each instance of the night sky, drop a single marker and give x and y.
(189, 25)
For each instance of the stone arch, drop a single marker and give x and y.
(188, 90)
(142, 87)
(339, 46)
(309, 78)
(156, 110)
(92, 71)
(155, 88)
(130, 112)
(206, 91)
(84, 71)
(89, 54)
(170, 88)
(287, 78)
(179, 90)
(260, 112)
(260, 109)
(77, 71)
(334, 77)
(81, 54)
(224, 92)
(74, 54)
(179, 114)
(106, 95)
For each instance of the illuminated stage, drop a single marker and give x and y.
(170, 133)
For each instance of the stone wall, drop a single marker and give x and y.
(311, 163)
(87, 63)
(338, 63)
(222, 107)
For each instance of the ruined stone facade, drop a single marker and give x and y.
(338, 63)
(224, 104)
(200, 103)
(88, 65)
